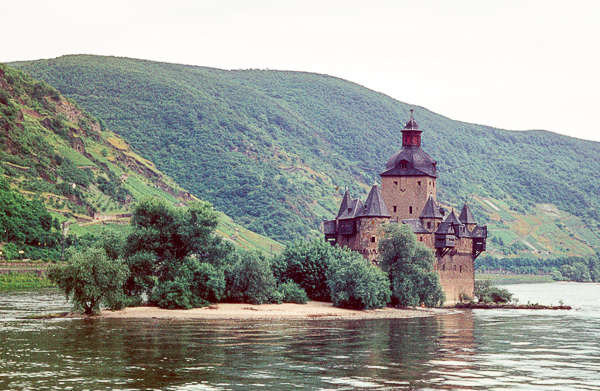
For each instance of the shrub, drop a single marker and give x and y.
(485, 292)
(250, 279)
(355, 283)
(290, 292)
(208, 284)
(174, 294)
(306, 263)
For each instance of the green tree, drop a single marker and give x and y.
(164, 240)
(90, 278)
(355, 283)
(410, 268)
(250, 279)
(306, 263)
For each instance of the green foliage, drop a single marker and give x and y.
(23, 281)
(28, 224)
(410, 267)
(290, 292)
(208, 283)
(174, 256)
(174, 294)
(485, 292)
(355, 283)
(89, 279)
(306, 263)
(250, 279)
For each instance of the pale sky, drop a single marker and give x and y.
(509, 64)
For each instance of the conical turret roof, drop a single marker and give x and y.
(344, 205)
(452, 218)
(354, 209)
(375, 206)
(466, 217)
(431, 210)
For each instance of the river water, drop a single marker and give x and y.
(470, 350)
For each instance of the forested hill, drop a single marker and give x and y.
(276, 149)
(59, 165)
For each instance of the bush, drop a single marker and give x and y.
(190, 285)
(290, 292)
(354, 283)
(250, 279)
(306, 263)
(174, 294)
(208, 284)
(485, 292)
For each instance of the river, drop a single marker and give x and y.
(472, 350)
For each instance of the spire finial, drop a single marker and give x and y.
(411, 112)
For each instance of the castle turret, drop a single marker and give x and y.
(409, 176)
(432, 214)
(466, 217)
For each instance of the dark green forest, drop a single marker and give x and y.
(275, 150)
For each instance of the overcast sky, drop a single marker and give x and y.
(510, 64)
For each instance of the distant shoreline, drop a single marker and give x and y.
(311, 311)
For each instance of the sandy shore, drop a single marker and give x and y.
(311, 310)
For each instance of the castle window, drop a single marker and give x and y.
(421, 239)
(395, 208)
(429, 225)
(410, 210)
(395, 183)
(443, 268)
(460, 268)
(372, 239)
(419, 183)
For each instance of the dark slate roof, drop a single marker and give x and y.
(445, 228)
(466, 217)
(344, 205)
(452, 218)
(416, 226)
(355, 209)
(418, 163)
(432, 210)
(374, 206)
(411, 124)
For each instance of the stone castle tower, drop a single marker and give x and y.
(408, 196)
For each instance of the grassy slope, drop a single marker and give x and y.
(276, 149)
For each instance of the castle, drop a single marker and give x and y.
(408, 196)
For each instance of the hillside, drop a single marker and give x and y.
(67, 163)
(276, 149)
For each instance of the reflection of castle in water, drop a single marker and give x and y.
(408, 196)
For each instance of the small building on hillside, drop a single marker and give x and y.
(408, 196)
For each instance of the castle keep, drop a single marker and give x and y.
(408, 196)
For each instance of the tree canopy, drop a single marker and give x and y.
(410, 267)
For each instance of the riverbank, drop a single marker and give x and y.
(311, 310)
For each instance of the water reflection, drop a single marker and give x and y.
(476, 350)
